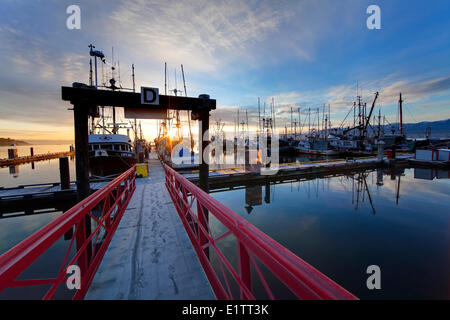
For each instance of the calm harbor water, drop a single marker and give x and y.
(342, 225)
(36, 172)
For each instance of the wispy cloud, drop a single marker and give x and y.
(202, 33)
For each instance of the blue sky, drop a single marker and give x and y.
(302, 53)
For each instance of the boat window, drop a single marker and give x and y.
(106, 146)
(116, 147)
(96, 146)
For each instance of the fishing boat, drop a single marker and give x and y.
(110, 154)
(319, 147)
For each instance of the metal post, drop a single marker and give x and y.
(64, 173)
(31, 151)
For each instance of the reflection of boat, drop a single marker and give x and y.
(320, 147)
(110, 154)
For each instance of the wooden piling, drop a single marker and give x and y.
(204, 165)
(80, 112)
(64, 173)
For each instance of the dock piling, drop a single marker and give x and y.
(64, 173)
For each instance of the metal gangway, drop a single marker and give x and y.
(196, 209)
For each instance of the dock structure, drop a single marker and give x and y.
(236, 176)
(36, 157)
(30, 198)
(150, 256)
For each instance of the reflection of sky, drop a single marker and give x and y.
(12, 232)
(318, 222)
(43, 172)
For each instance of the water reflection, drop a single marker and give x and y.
(397, 219)
(360, 190)
(14, 171)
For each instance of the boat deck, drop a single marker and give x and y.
(150, 256)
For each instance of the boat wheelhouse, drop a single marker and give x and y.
(110, 154)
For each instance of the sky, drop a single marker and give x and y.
(303, 54)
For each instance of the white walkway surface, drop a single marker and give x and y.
(150, 255)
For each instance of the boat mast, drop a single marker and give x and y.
(259, 117)
(134, 90)
(309, 123)
(400, 105)
(90, 73)
(292, 122)
(273, 116)
(132, 77)
(188, 113)
(318, 123)
(300, 122)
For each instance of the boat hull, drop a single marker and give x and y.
(110, 165)
(319, 152)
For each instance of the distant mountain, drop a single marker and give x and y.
(439, 129)
(6, 142)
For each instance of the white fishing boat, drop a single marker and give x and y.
(320, 147)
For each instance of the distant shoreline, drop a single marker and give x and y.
(6, 142)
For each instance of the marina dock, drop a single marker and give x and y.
(37, 157)
(150, 256)
(31, 198)
(240, 175)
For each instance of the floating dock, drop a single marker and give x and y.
(227, 177)
(37, 157)
(29, 198)
(150, 255)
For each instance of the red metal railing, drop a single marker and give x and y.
(304, 281)
(104, 209)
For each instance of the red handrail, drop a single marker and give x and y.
(302, 279)
(112, 200)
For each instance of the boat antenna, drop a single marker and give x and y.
(132, 77)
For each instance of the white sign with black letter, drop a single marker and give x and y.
(149, 95)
